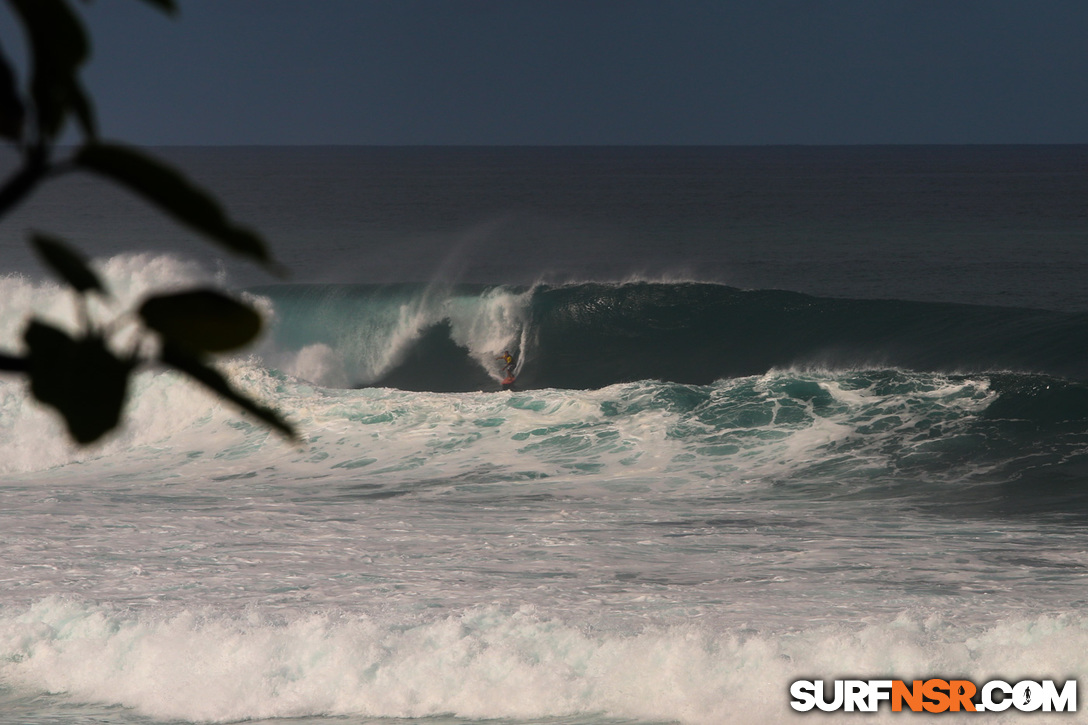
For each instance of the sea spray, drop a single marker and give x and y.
(660, 548)
(486, 662)
(363, 332)
(593, 335)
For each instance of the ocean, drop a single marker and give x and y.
(781, 413)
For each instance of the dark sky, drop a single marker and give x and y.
(592, 71)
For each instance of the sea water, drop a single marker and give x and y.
(781, 413)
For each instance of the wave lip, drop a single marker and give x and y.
(417, 337)
(588, 336)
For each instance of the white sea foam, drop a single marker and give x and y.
(362, 344)
(748, 428)
(492, 324)
(638, 551)
(128, 279)
(318, 363)
(161, 405)
(490, 663)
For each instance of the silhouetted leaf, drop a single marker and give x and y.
(81, 378)
(66, 262)
(173, 193)
(202, 320)
(59, 47)
(12, 113)
(167, 6)
(11, 364)
(212, 379)
(19, 186)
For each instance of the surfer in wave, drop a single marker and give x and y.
(508, 368)
(507, 358)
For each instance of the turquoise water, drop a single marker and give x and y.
(705, 487)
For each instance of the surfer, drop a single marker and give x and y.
(509, 361)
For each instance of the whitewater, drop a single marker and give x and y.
(698, 492)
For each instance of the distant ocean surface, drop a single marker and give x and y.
(781, 413)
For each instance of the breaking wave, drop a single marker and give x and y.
(593, 335)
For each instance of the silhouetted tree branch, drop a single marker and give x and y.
(80, 376)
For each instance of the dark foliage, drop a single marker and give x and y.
(82, 377)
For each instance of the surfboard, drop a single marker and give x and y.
(507, 382)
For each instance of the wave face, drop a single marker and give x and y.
(699, 495)
(412, 337)
(592, 335)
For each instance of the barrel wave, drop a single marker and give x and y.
(696, 494)
(932, 400)
(589, 336)
(692, 484)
